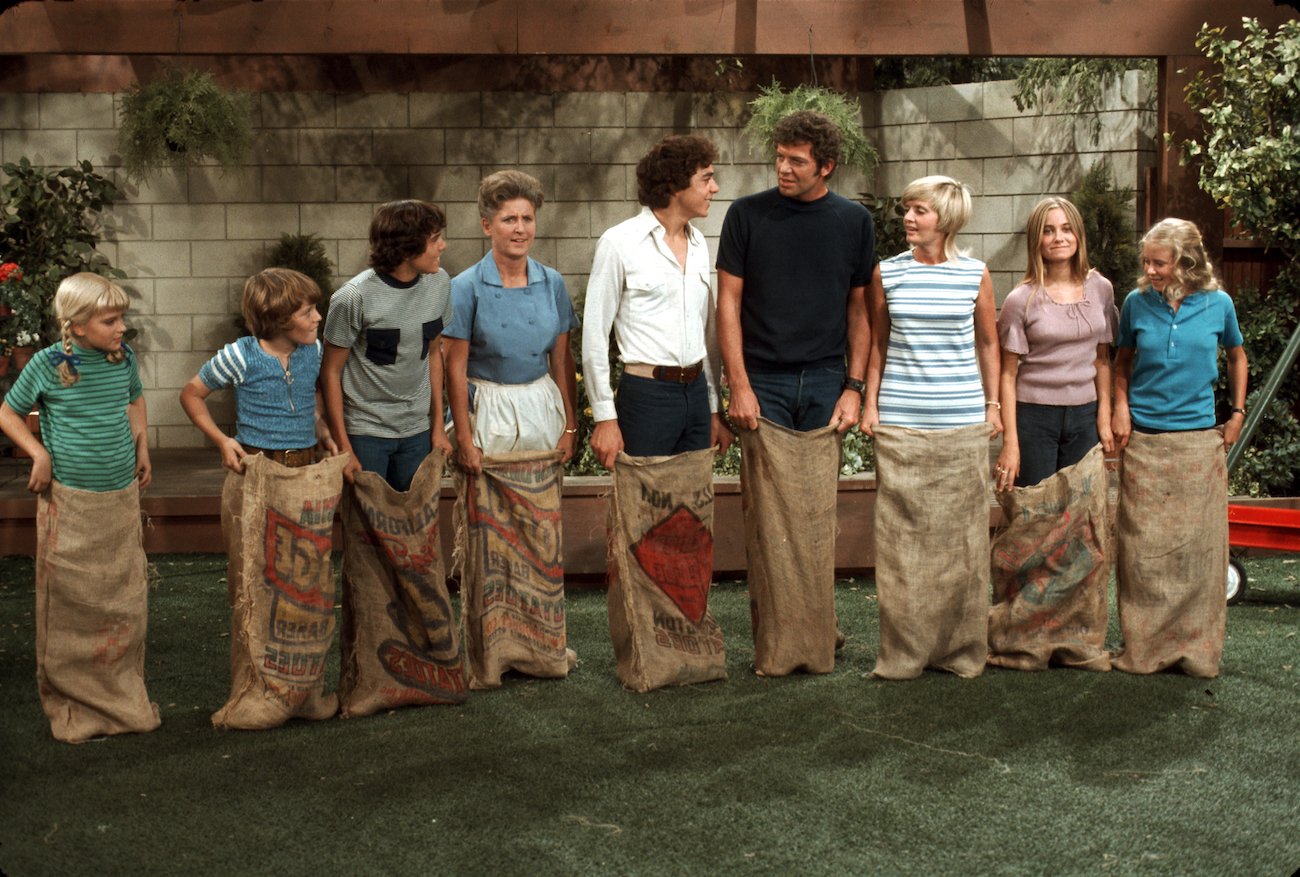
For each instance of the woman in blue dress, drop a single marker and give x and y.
(510, 372)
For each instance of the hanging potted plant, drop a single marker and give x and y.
(775, 103)
(180, 119)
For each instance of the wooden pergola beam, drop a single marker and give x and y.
(1150, 28)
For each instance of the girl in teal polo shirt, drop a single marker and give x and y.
(1173, 511)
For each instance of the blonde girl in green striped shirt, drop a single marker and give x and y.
(87, 389)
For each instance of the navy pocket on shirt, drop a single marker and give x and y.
(381, 345)
(432, 330)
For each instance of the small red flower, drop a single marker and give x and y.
(10, 271)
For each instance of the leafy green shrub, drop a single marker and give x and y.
(1107, 214)
(180, 119)
(1076, 84)
(887, 212)
(774, 103)
(51, 227)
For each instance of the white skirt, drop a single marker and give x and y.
(516, 417)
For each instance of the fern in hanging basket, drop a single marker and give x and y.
(774, 103)
(180, 119)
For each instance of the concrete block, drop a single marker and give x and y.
(954, 103)
(494, 146)
(456, 110)
(274, 146)
(721, 109)
(227, 258)
(737, 180)
(568, 219)
(1004, 252)
(382, 110)
(605, 214)
(984, 138)
(591, 182)
(968, 171)
(371, 184)
(711, 225)
(297, 110)
(674, 110)
(1003, 283)
(165, 187)
(560, 145)
(128, 222)
(543, 173)
(47, 148)
(925, 142)
(141, 295)
(1021, 175)
(335, 221)
(573, 256)
(412, 146)
(154, 259)
(99, 147)
(993, 215)
(76, 111)
(510, 109)
(544, 251)
(180, 436)
(326, 147)
(353, 256)
(261, 221)
(731, 145)
(443, 183)
(622, 145)
(1000, 101)
(1034, 135)
(893, 176)
(213, 331)
(160, 334)
(298, 184)
(463, 252)
(192, 295)
(189, 222)
(20, 111)
(904, 106)
(462, 221)
(591, 109)
(164, 406)
(217, 185)
(850, 183)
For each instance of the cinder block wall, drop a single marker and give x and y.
(323, 162)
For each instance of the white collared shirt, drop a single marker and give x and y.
(661, 315)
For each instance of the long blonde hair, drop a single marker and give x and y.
(1192, 271)
(1035, 272)
(78, 299)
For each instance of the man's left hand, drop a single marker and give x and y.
(846, 410)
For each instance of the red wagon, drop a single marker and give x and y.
(1269, 524)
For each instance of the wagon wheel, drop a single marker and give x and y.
(1236, 581)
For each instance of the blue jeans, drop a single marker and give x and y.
(395, 459)
(803, 399)
(1052, 437)
(659, 418)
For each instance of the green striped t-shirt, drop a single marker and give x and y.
(84, 427)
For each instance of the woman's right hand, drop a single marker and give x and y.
(1007, 467)
(470, 457)
(1121, 427)
(870, 418)
(42, 472)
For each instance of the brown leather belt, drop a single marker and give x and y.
(674, 374)
(294, 458)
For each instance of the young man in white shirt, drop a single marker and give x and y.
(650, 283)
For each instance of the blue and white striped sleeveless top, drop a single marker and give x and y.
(931, 378)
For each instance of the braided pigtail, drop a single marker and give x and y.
(67, 373)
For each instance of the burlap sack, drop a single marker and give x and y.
(1172, 556)
(91, 613)
(282, 617)
(932, 550)
(660, 571)
(788, 482)
(399, 642)
(1050, 568)
(511, 563)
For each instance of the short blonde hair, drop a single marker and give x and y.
(80, 298)
(1192, 271)
(949, 199)
(272, 296)
(1034, 269)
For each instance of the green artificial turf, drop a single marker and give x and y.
(1062, 772)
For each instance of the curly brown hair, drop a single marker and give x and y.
(401, 231)
(815, 129)
(668, 167)
(271, 298)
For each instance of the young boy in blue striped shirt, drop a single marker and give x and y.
(273, 373)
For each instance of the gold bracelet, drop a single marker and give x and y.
(995, 403)
(571, 431)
